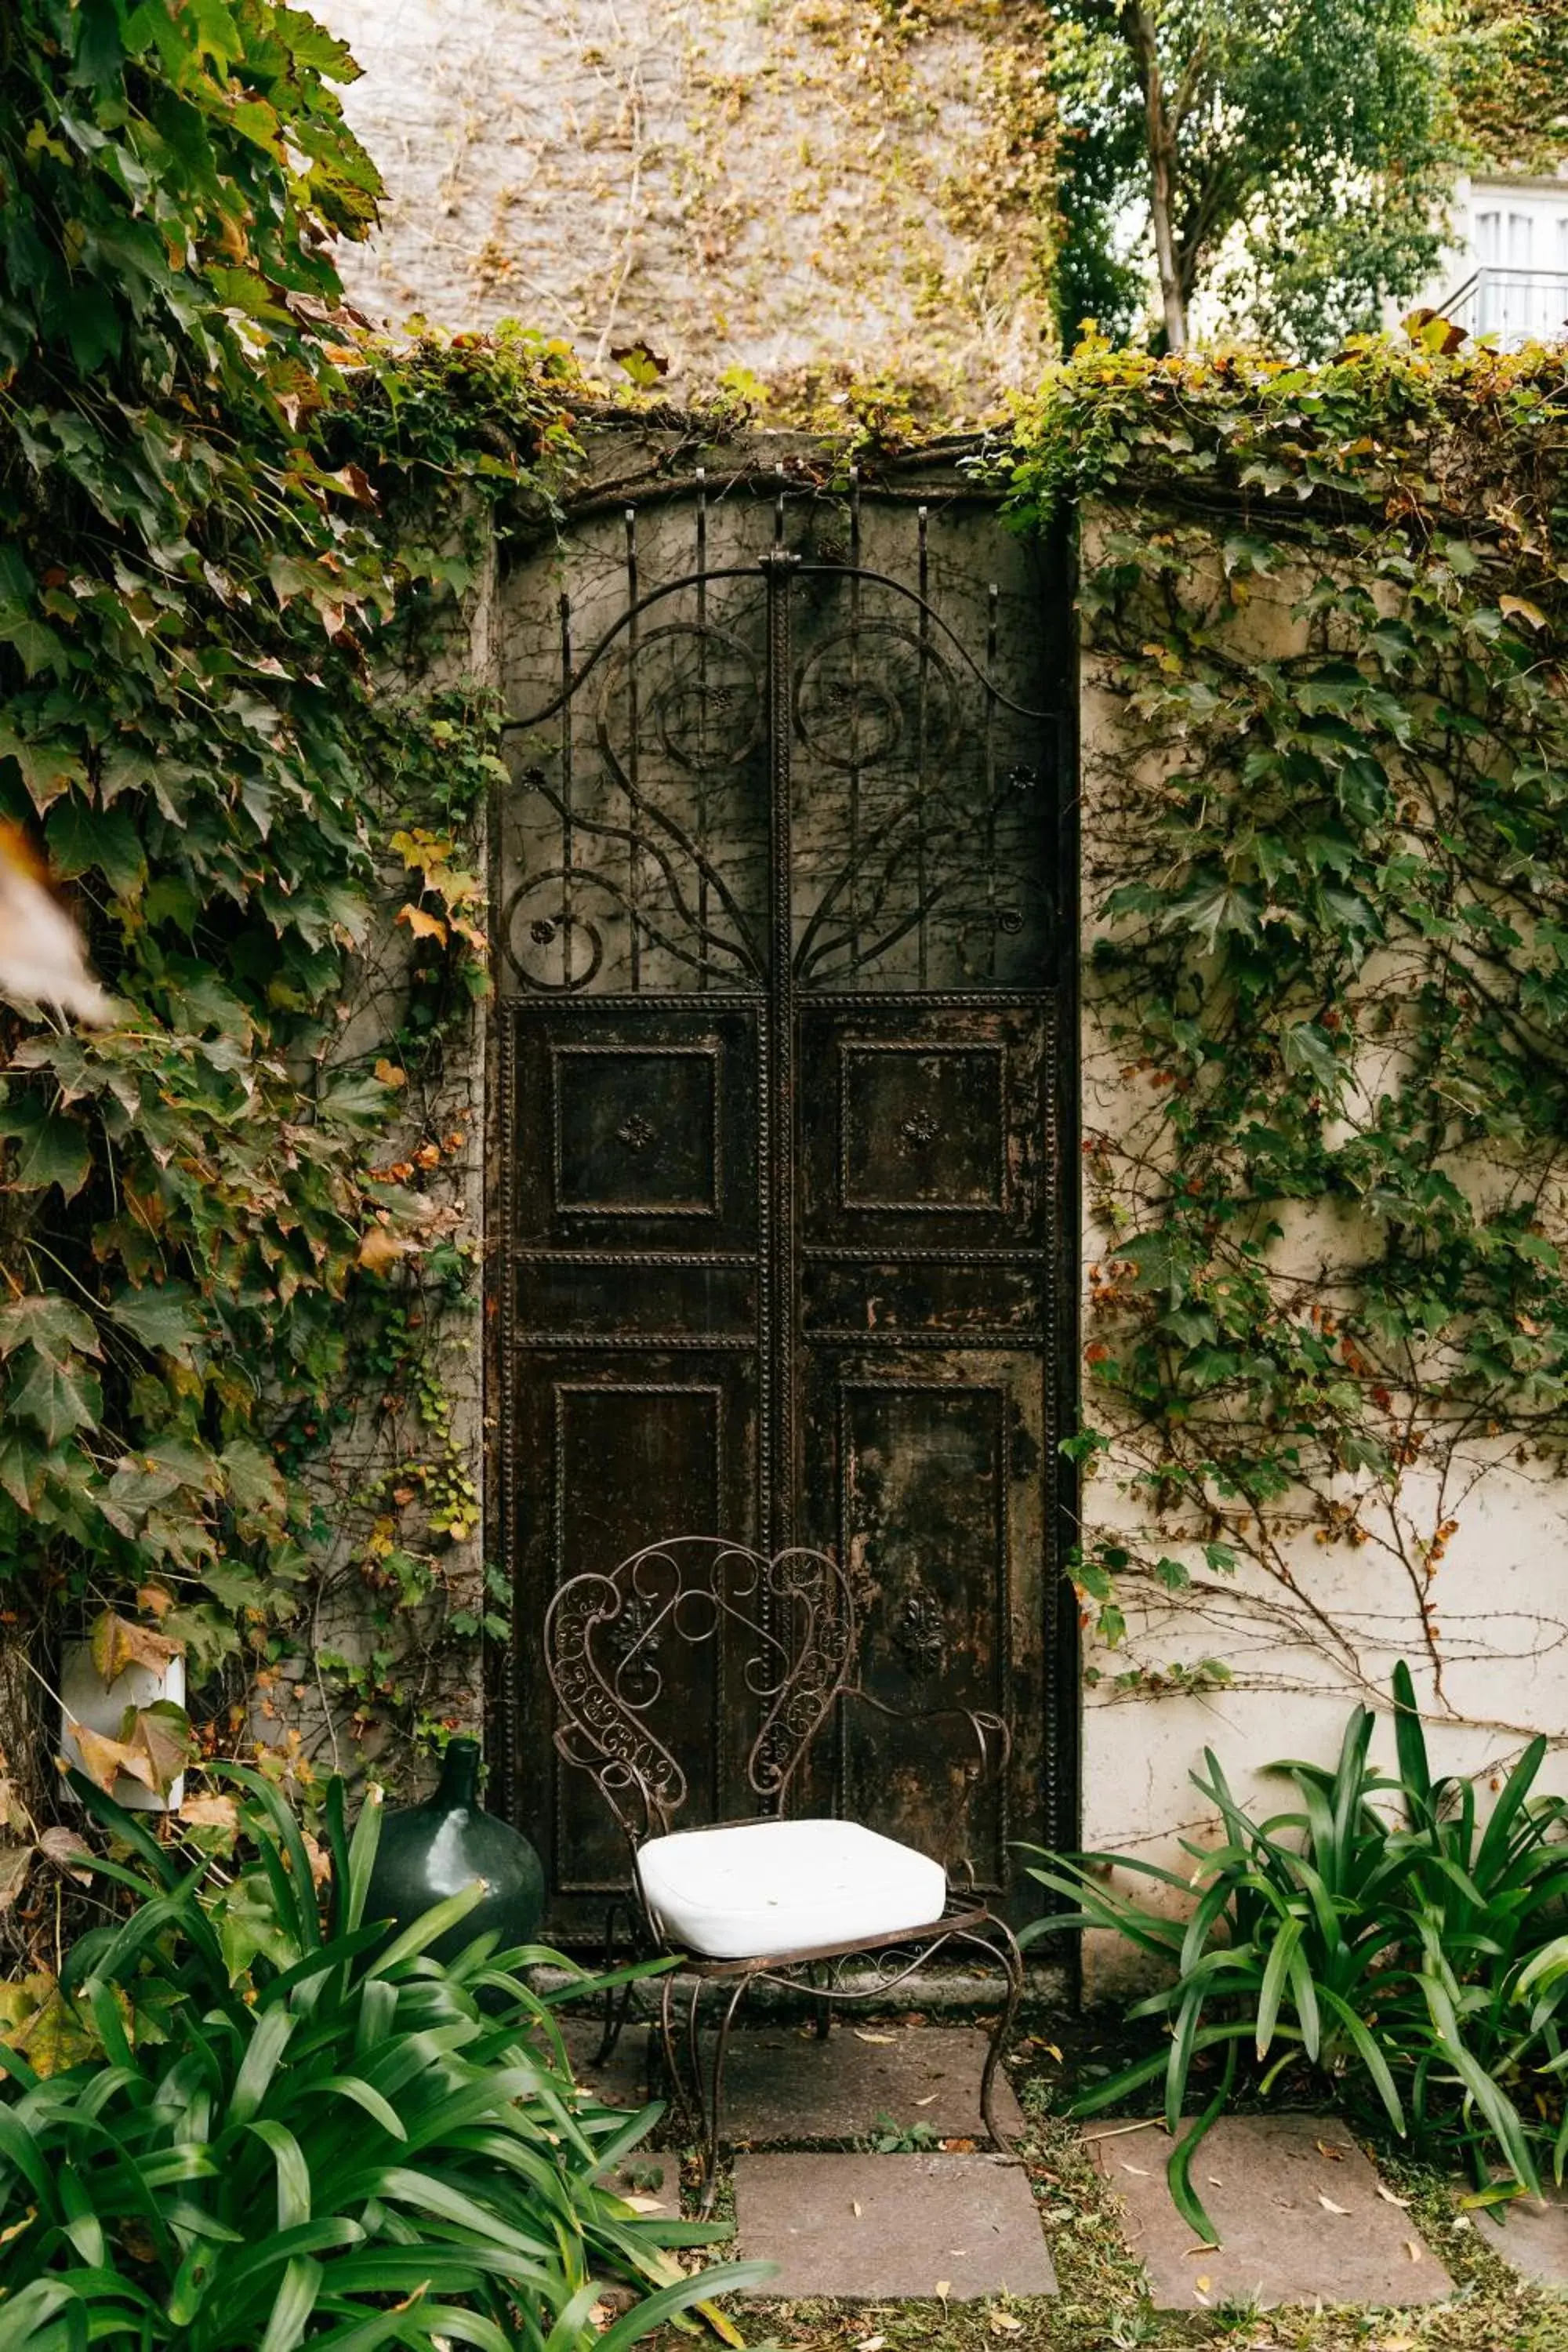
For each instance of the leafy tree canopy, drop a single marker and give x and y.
(1506, 65)
(1286, 153)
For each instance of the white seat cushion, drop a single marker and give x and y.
(759, 1889)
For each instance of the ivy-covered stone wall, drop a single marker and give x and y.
(1324, 758)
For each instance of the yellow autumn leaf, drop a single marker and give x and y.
(379, 1249)
(1520, 608)
(423, 926)
(102, 1759)
(118, 1642)
(209, 1814)
(724, 2328)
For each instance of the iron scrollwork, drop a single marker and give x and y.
(641, 846)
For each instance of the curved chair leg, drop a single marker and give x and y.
(618, 1999)
(715, 2100)
(1004, 1947)
(680, 2095)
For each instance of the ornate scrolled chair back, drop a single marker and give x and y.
(790, 1618)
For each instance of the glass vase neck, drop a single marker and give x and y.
(459, 1782)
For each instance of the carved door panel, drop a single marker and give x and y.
(780, 1192)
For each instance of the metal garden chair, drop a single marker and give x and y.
(772, 1900)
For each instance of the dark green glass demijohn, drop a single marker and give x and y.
(427, 1852)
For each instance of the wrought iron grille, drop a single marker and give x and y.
(655, 841)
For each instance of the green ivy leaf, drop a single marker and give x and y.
(1211, 908)
(50, 1147)
(83, 840)
(57, 1398)
(54, 1328)
(22, 1466)
(1305, 1046)
(164, 1319)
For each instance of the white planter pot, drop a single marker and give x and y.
(100, 1706)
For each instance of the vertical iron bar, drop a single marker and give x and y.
(567, 833)
(633, 749)
(923, 532)
(853, 908)
(779, 1464)
(992, 601)
(702, 719)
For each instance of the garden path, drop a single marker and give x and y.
(920, 2210)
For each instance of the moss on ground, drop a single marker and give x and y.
(1102, 2305)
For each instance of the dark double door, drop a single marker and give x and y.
(781, 1229)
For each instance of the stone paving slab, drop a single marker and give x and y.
(1529, 2235)
(877, 2228)
(785, 2088)
(1297, 2207)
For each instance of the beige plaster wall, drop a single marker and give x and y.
(1300, 1658)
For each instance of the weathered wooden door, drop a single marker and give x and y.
(782, 946)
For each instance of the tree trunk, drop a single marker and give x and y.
(1138, 29)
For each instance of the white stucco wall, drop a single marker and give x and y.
(1300, 1658)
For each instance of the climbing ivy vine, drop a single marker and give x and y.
(220, 1232)
(1325, 776)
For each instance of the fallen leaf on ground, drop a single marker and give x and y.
(1334, 2154)
(640, 2204)
(1140, 2169)
(1328, 2206)
(1389, 2197)
(863, 2033)
(942, 2287)
(1413, 2248)
(1003, 2323)
(959, 2147)
(927, 2101)
(855, 2207)
(870, 2344)
(1202, 2285)
(65, 1847)
(210, 1813)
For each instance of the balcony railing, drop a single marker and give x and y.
(1515, 306)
